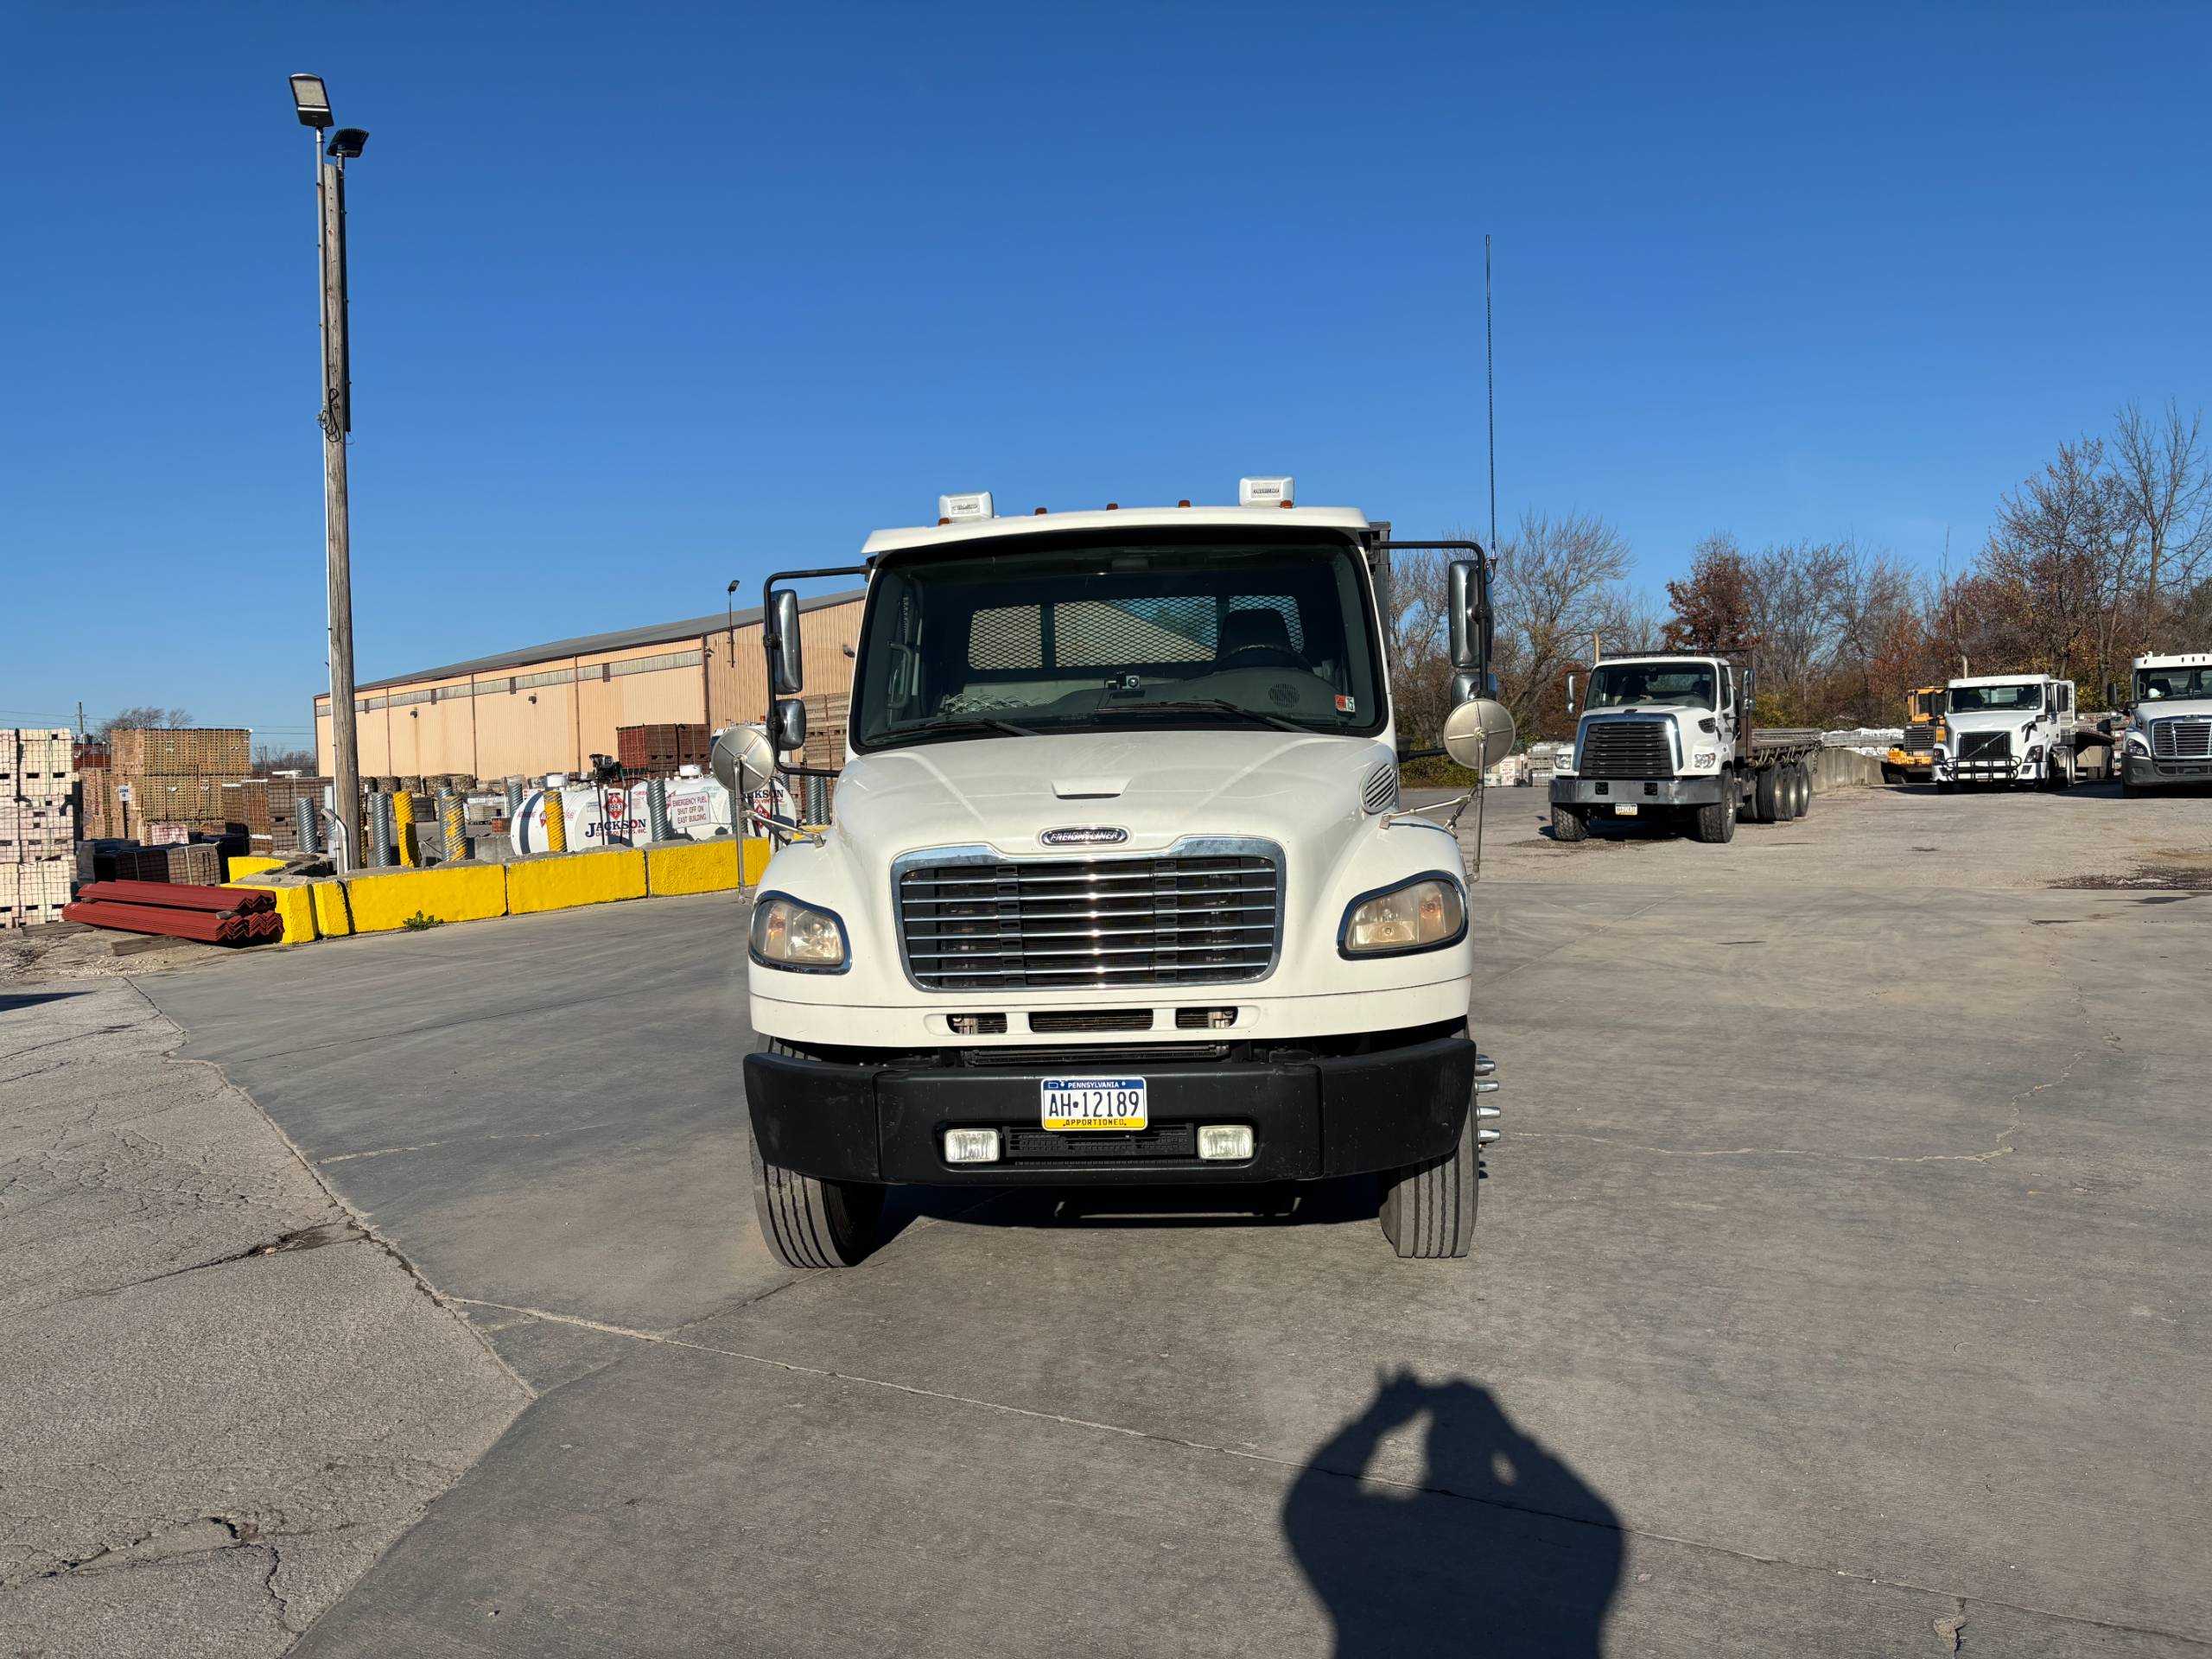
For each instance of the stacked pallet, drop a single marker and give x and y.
(38, 824)
(166, 774)
(661, 749)
(284, 795)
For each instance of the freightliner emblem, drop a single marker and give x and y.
(1085, 835)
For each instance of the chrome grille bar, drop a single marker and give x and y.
(969, 919)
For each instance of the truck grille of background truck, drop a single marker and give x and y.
(1626, 748)
(2182, 740)
(1985, 757)
(984, 922)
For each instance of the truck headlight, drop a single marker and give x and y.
(2137, 743)
(787, 934)
(1426, 913)
(1706, 758)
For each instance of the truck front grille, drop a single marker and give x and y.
(1985, 746)
(2182, 740)
(1180, 918)
(1919, 740)
(1626, 748)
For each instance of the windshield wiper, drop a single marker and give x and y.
(968, 727)
(1205, 705)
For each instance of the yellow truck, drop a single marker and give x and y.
(1913, 761)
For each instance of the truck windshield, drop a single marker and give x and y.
(1119, 635)
(2165, 684)
(1686, 685)
(2007, 699)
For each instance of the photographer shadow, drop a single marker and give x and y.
(1499, 1549)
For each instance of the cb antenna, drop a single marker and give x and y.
(1489, 389)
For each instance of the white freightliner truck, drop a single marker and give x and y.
(2008, 729)
(2169, 742)
(1117, 889)
(1670, 737)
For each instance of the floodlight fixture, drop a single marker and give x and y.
(348, 141)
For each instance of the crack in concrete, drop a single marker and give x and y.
(302, 1238)
(1357, 1476)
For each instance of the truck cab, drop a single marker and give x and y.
(1669, 737)
(2168, 741)
(1116, 890)
(2006, 729)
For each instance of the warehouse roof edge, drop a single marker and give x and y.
(618, 639)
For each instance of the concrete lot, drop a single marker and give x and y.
(1839, 1289)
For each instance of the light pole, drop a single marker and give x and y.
(311, 101)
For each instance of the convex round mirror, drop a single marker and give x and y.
(742, 760)
(1479, 734)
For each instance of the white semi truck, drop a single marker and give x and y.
(2168, 740)
(2009, 729)
(1117, 889)
(1669, 737)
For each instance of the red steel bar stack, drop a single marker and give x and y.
(211, 915)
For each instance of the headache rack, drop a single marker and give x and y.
(1206, 911)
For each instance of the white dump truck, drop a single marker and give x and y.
(2168, 740)
(2003, 729)
(1669, 737)
(1117, 890)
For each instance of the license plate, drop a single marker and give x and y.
(1092, 1103)
(1624, 812)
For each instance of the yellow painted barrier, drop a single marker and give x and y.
(385, 902)
(402, 825)
(692, 866)
(757, 850)
(237, 868)
(561, 880)
(331, 918)
(295, 905)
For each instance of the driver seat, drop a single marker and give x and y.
(1259, 637)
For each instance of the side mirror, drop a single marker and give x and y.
(742, 759)
(788, 724)
(787, 664)
(1468, 608)
(1570, 693)
(1479, 735)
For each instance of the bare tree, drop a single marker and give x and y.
(146, 715)
(1560, 580)
(2166, 480)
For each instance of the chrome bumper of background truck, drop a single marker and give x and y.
(1636, 792)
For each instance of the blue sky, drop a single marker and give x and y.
(648, 297)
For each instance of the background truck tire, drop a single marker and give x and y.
(808, 1223)
(1766, 799)
(1801, 781)
(1717, 821)
(1568, 823)
(1428, 1209)
(1785, 795)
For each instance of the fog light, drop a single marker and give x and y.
(972, 1145)
(1224, 1142)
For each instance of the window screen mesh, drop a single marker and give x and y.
(1104, 634)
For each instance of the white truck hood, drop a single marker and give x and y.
(2173, 709)
(1006, 792)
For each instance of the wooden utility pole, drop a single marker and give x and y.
(337, 421)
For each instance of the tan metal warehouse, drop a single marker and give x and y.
(551, 707)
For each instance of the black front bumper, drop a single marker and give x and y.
(1312, 1118)
(2144, 773)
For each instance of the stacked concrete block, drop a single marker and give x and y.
(38, 824)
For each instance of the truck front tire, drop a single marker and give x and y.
(1716, 820)
(1428, 1209)
(809, 1223)
(1569, 823)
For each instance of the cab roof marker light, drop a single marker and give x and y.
(1266, 492)
(964, 509)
